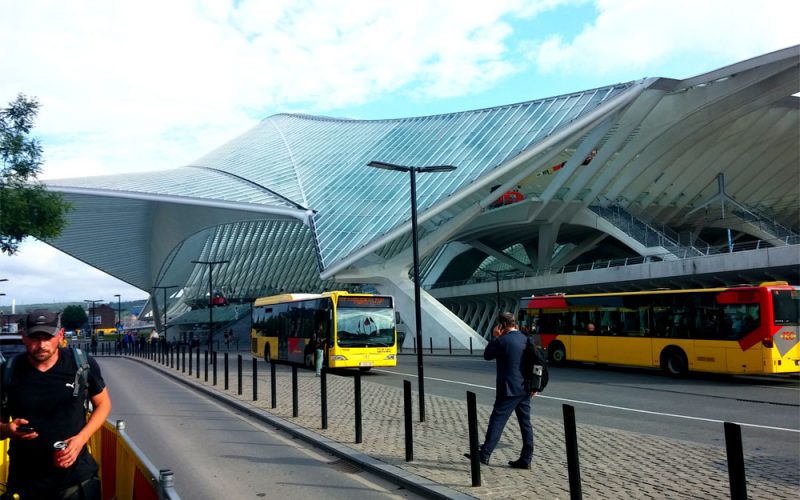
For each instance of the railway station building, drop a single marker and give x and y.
(644, 184)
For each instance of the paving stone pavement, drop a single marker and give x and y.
(614, 464)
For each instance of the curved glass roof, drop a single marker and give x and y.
(321, 163)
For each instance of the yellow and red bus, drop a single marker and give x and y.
(751, 329)
(358, 329)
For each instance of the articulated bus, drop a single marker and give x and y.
(359, 329)
(737, 330)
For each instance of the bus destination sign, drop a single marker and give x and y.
(365, 302)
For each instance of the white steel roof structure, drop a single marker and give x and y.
(293, 206)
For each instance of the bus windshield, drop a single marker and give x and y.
(786, 307)
(365, 327)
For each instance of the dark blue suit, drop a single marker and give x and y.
(511, 394)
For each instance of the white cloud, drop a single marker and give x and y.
(42, 274)
(637, 34)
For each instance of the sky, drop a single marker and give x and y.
(130, 86)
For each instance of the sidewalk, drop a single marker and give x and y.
(614, 464)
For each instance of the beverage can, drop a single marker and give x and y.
(58, 449)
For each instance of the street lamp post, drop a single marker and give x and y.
(497, 282)
(165, 288)
(210, 264)
(415, 247)
(8, 330)
(91, 322)
(119, 312)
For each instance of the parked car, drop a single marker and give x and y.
(11, 344)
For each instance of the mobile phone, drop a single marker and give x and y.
(24, 428)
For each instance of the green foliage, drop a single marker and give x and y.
(73, 317)
(26, 208)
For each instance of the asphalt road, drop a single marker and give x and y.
(218, 453)
(645, 401)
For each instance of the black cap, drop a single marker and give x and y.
(42, 321)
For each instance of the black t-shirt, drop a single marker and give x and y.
(46, 400)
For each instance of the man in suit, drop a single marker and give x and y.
(506, 347)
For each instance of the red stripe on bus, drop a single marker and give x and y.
(547, 302)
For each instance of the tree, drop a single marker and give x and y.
(73, 317)
(26, 208)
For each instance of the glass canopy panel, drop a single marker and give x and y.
(184, 182)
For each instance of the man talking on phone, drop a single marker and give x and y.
(45, 394)
(507, 346)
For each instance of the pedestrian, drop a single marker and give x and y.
(507, 347)
(319, 348)
(44, 401)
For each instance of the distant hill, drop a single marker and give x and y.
(126, 306)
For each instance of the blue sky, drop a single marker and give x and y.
(133, 86)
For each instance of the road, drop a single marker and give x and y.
(218, 453)
(645, 401)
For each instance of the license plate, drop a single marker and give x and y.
(365, 363)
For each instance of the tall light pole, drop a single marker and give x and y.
(119, 312)
(7, 319)
(165, 288)
(415, 244)
(8, 330)
(93, 302)
(497, 282)
(210, 264)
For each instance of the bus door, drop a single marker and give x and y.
(622, 339)
(583, 342)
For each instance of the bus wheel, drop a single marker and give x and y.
(557, 353)
(267, 356)
(674, 362)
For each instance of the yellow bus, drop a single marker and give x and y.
(749, 329)
(359, 329)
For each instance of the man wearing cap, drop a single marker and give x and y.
(41, 396)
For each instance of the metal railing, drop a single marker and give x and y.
(643, 232)
(628, 261)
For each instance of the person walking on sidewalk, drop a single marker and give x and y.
(507, 347)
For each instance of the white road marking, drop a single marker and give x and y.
(590, 403)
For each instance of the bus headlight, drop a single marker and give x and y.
(390, 356)
(338, 357)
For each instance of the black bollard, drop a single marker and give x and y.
(415, 344)
(573, 464)
(357, 399)
(470, 346)
(197, 371)
(430, 341)
(472, 426)
(205, 365)
(273, 385)
(214, 368)
(225, 357)
(323, 396)
(736, 472)
(190, 362)
(450, 344)
(239, 370)
(295, 399)
(407, 413)
(183, 359)
(255, 379)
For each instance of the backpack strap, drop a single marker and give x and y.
(81, 382)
